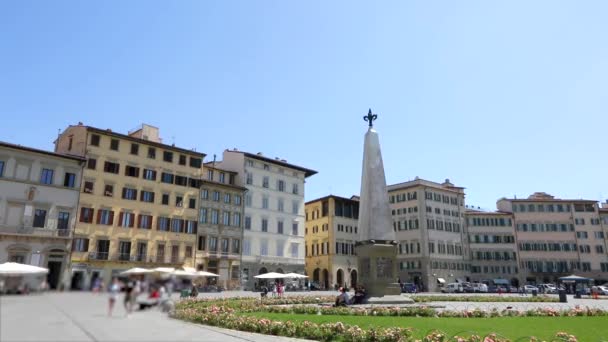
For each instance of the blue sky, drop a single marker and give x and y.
(504, 98)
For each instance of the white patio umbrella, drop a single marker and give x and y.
(136, 270)
(184, 274)
(270, 275)
(163, 269)
(206, 274)
(295, 275)
(16, 269)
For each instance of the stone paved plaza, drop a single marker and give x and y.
(82, 316)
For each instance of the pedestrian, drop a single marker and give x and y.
(113, 289)
(274, 289)
(128, 302)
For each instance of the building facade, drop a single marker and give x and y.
(428, 219)
(138, 202)
(274, 213)
(220, 229)
(38, 204)
(330, 236)
(558, 237)
(493, 248)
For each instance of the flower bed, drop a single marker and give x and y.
(495, 299)
(228, 313)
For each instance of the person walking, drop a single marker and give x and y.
(128, 302)
(113, 289)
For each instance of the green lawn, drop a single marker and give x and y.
(586, 329)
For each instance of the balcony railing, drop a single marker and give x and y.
(280, 260)
(216, 254)
(98, 256)
(42, 232)
(139, 258)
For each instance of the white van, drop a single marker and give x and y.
(453, 288)
(480, 287)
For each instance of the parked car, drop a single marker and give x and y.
(547, 288)
(480, 287)
(453, 288)
(468, 287)
(530, 288)
(408, 288)
(603, 290)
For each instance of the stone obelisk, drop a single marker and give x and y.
(376, 248)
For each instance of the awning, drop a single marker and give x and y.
(440, 280)
(501, 282)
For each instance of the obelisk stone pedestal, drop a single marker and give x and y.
(378, 268)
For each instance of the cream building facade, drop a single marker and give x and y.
(493, 248)
(274, 213)
(138, 202)
(558, 237)
(220, 229)
(428, 219)
(39, 193)
(331, 233)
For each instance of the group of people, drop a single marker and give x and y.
(344, 298)
(133, 288)
(277, 289)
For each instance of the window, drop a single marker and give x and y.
(134, 149)
(280, 227)
(39, 218)
(215, 216)
(162, 224)
(179, 201)
(114, 144)
(129, 194)
(126, 220)
(205, 194)
(281, 185)
(168, 156)
(203, 215)
(165, 199)
(294, 229)
(147, 196)
(202, 243)
(265, 202)
(226, 218)
(105, 217)
(236, 246)
(599, 249)
(280, 248)
(249, 162)
(210, 175)
(236, 219)
(182, 159)
(266, 167)
(88, 187)
(111, 167)
(151, 153)
(265, 182)
(192, 203)
(46, 177)
(80, 245)
(86, 215)
(188, 252)
(108, 190)
(181, 180)
(191, 227)
(280, 205)
(295, 207)
(95, 140)
(216, 196)
(213, 244)
(249, 178)
(227, 198)
(222, 177)
(237, 200)
(149, 174)
(225, 246)
(131, 171)
(294, 189)
(264, 247)
(248, 200)
(248, 222)
(144, 221)
(63, 220)
(69, 180)
(196, 162)
(294, 249)
(166, 178)
(265, 225)
(177, 225)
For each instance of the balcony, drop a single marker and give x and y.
(98, 256)
(280, 260)
(38, 232)
(219, 255)
(137, 258)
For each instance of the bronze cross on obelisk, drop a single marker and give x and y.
(370, 118)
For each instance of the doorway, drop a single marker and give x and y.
(54, 274)
(77, 280)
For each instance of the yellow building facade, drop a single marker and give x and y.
(330, 235)
(138, 204)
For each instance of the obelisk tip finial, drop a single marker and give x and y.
(370, 118)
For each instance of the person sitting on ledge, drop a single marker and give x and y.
(342, 299)
(359, 295)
